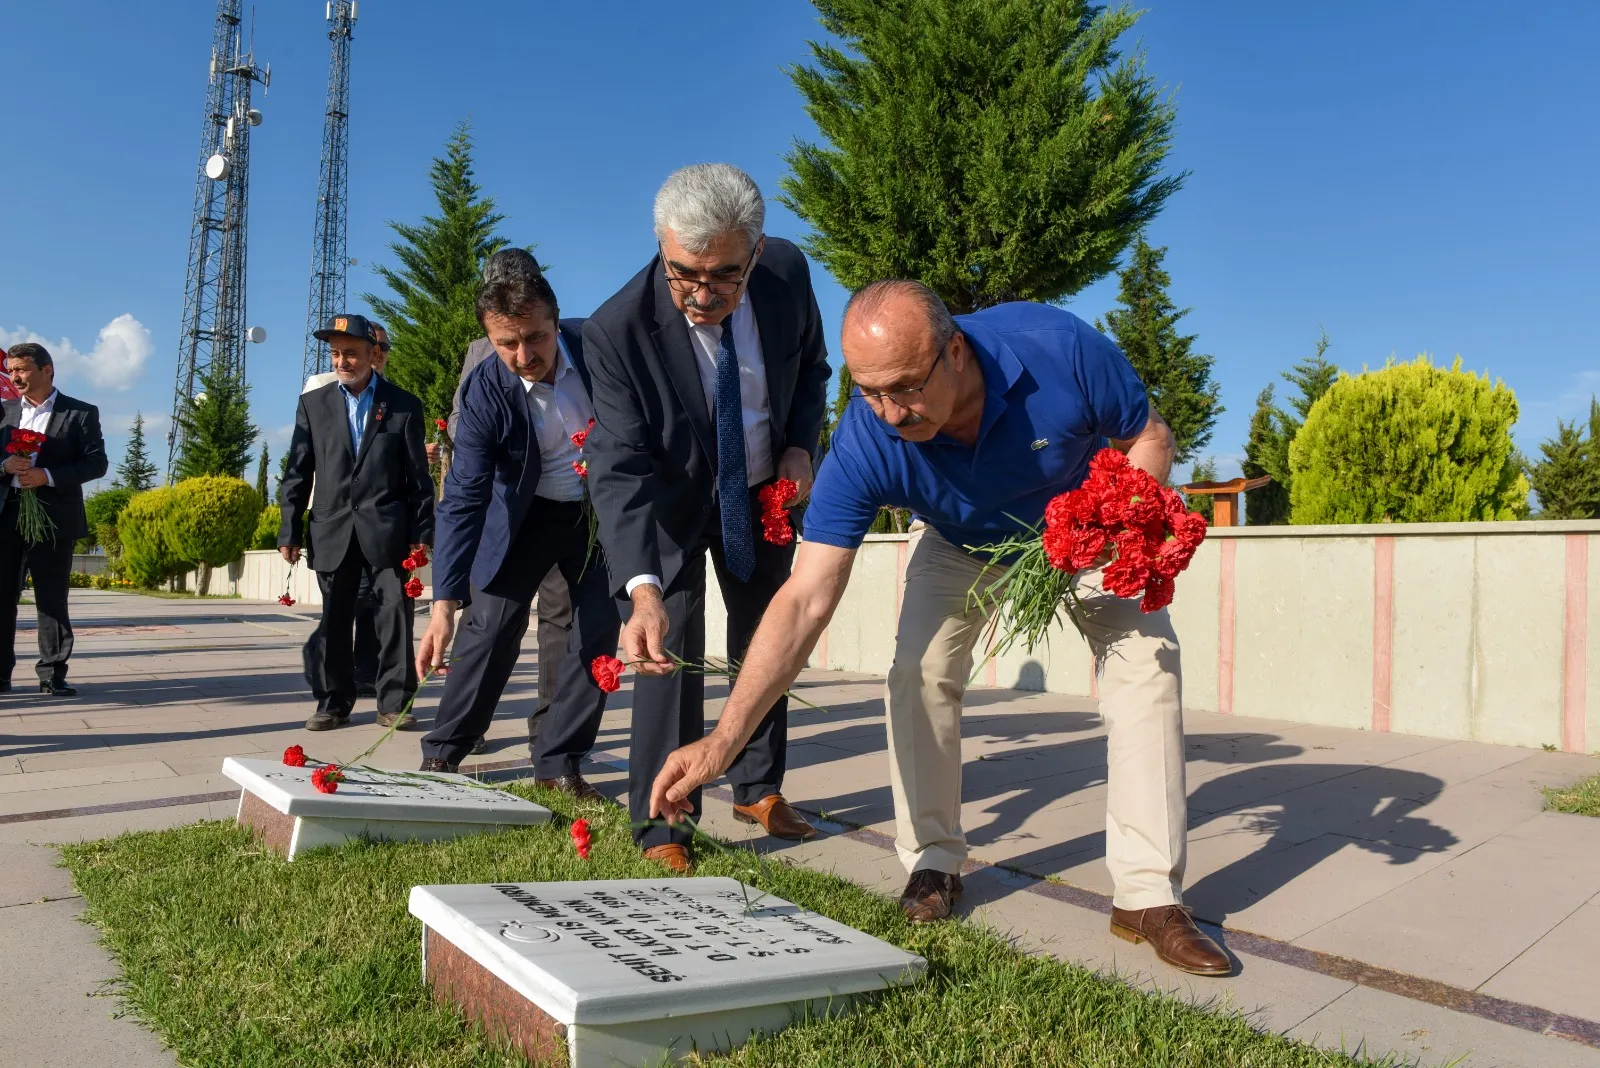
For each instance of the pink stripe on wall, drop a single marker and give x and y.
(1225, 629)
(1382, 631)
(1575, 682)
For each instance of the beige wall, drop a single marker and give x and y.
(1492, 630)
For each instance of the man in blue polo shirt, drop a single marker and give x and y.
(974, 424)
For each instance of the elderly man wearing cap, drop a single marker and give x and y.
(371, 506)
(366, 648)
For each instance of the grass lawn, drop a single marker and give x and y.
(1580, 799)
(237, 958)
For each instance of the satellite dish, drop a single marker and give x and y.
(253, 116)
(217, 167)
(256, 335)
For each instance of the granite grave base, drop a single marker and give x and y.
(626, 972)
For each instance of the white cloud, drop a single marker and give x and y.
(155, 424)
(116, 362)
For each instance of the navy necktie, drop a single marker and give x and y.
(738, 550)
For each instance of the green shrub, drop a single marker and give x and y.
(212, 519)
(80, 580)
(1411, 443)
(267, 524)
(103, 508)
(148, 554)
(102, 582)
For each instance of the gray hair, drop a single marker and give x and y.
(704, 201)
(511, 265)
(870, 299)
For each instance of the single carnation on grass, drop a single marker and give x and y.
(580, 837)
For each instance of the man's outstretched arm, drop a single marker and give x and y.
(789, 631)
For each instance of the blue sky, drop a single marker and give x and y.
(1412, 177)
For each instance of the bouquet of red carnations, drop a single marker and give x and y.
(1120, 517)
(33, 522)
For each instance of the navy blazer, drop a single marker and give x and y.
(494, 474)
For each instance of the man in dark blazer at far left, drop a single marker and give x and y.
(73, 453)
(361, 438)
(710, 381)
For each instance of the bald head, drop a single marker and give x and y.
(908, 358)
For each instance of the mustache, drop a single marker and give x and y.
(911, 419)
(715, 304)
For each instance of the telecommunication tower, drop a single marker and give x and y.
(214, 332)
(328, 238)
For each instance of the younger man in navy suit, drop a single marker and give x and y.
(515, 505)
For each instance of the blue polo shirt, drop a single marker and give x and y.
(1056, 390)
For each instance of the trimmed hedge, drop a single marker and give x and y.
(212, 519)
(147, 551)
(267, 524)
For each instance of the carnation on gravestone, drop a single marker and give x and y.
(327, 778)
(295, 756)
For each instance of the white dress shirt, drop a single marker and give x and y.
(758, 464)
(36, 417)
(560, 411)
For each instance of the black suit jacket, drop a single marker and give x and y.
(652, 455)
(382, 497)
(74, 453)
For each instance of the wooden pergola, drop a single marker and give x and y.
(1226, 494)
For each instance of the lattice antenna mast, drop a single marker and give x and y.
(214, 332)
(328, 239)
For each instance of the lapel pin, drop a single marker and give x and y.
(1040, 443)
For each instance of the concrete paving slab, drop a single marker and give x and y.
(95, 771)
(1542, 974)
(32, 875)
(56, 972)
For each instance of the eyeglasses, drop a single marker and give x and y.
(722, 287)
(905, 398)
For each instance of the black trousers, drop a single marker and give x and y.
(50, 563)
(669, 710)
(334, 683)
(366, 647)
(553, 534)
(555, 626)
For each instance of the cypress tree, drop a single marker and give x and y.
(261, 474)
(1567, 478)
(1266, 452)
(1204, 503)
(1146, 329)
(136, 472)
(216, 422)
(431, 318)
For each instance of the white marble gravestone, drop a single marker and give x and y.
(291, 815)
(623, 971)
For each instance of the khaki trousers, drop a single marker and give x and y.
(1136, 658)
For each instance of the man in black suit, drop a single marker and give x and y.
(74, 452)
(515, 506)
(361, 436)
(710, 379)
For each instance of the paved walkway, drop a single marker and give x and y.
(1381, 892)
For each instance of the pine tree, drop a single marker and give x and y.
(136, 472)
(431, 318)
(217, 428)
(1313, 376)
(1146, 329)
(995, 150)
(1266, 452)
(1567, 478)
(261, 474)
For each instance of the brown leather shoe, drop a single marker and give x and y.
(437, 764)
(777, 817)
(399, 720)
(1172, 933)
(573, 785)
(672, 856)
(930, 895)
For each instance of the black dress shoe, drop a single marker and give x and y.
(57, 689)
(326, 721)
(437, 764)
(5, 687)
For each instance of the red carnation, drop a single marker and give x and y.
(295, 756)
(1157, 594)
(580, 837)
(607, 673)
(442, 424)
(580, 437)
(327, 778)
(286, 600)
(413, 588)
(581, 467)
(778, 494)
(24, 442)
(416, 560)
(777, 531)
